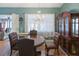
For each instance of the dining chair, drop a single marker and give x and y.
(13, 38)
(33, 33)
(26, 47)
(54, 46)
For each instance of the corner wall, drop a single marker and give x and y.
(70, 7)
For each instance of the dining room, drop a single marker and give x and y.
(28, 21)
(39, 29)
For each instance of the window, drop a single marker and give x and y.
(41, 22)
(6, 21)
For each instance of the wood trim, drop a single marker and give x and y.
(64, 26)
(70, 25)
(66, 14)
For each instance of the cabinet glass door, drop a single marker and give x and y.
(59, 26)
(75, 25)
(66, 25)
(62, 26)
(76, 32)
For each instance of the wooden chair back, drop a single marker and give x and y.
(26, 47)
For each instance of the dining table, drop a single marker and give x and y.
(39, 43)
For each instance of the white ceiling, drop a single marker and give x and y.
(31, 5)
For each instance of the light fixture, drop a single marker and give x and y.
(39, 11)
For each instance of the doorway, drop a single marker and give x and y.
(6, 23)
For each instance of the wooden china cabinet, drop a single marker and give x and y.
(67, 24)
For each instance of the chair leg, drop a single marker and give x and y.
(10, 52)
(47, 51)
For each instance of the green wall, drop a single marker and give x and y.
(22, 11)
(8, 10)
(71, 7)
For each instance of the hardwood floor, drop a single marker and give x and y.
(51, 53)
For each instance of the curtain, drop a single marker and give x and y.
(41, 22)
(15, 23)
